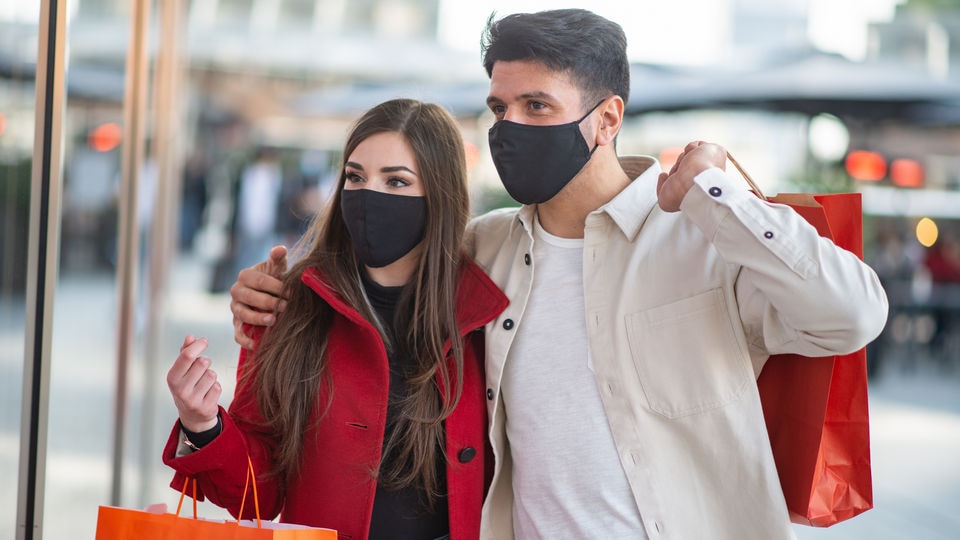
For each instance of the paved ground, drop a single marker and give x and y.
(915, 420)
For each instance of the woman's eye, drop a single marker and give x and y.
(353, 178)
(397, 182)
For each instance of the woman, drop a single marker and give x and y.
(363, 407)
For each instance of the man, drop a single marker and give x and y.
(643, 304)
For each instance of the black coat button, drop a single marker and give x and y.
(507, 324)
(489, 393)
(467, 454)
(526, 259)
(768, 235)
(715, 191)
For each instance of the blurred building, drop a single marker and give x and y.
(923, 35)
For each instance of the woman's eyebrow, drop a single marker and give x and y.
(396, 168)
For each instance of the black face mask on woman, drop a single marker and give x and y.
(383, 227)
(536, 162)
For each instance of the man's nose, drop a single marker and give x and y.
(513, 114)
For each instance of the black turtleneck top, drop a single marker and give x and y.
(400, 514)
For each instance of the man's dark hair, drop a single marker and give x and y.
(590, 48)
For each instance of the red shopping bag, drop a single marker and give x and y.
(816, 408)
(126, 524)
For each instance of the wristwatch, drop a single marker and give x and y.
(195, 440)
(189, 443)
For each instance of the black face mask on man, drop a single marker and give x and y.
(536, 162)
(383, 227)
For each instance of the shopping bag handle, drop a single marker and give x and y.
(256, 500)
(183, 492)
(247, 481)
(753, 185)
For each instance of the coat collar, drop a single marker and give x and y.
(479, 300)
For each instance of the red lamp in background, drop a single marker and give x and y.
(472, 154)
(105, 137)
(907, 173)
(867, 166)
(668, 156)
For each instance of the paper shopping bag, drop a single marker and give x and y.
(126, 524)
(816, 408)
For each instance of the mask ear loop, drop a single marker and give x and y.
(584, 117)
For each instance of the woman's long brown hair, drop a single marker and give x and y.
(288, 372)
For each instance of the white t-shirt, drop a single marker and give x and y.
(567, 477)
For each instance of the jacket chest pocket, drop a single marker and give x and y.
(687, 355)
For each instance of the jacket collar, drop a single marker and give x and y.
(630, 208)
(479, 300)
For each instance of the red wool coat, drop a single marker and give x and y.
(336, 488)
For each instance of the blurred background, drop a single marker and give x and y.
(170, 106)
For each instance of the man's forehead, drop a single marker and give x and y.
(529, 68)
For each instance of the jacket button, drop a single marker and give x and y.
(489, 393)
(768, 235)
(467, 454)
(526, 259)
(507, 324)
(715, 191)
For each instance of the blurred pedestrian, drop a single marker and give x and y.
(942, 261)
(193, 201)
(258, 201)
(895, 265)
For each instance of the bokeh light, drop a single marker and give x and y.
(927, 232)
(829, 138)
(867, 166)
(105, 137)
(907, 173)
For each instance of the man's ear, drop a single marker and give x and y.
(611, 120)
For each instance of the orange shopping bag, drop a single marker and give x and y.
(816, 408)
(126, 524)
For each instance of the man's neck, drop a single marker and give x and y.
(601, 180)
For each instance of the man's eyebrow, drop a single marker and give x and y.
(539, 94)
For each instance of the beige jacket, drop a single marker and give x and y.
(682, 311)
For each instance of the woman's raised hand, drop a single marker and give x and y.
(194, 386)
